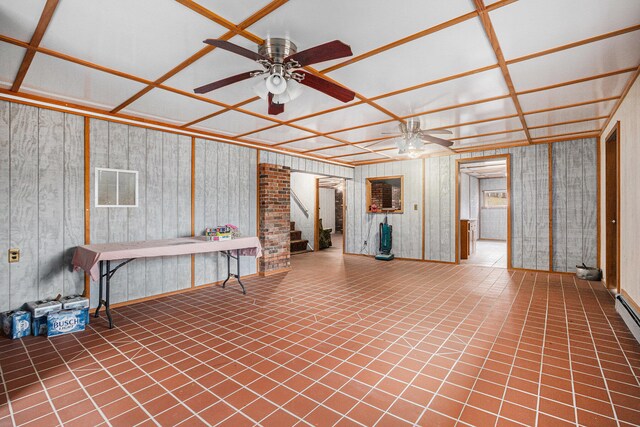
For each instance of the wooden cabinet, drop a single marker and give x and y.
(468, 237)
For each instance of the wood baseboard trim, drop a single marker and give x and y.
(179, 291)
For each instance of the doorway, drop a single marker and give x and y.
(330, 214)
(612, 208)
(483, 211)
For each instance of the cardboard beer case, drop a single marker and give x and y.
(42, 308)
(16, 324)
(67, 321)
(73, 302)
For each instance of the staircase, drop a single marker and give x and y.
(298, 245)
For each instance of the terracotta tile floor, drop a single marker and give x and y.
(341, 341)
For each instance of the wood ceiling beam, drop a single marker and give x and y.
(493, 40)
(36, 38)
(568, 122)
(576, 81)
(576, 104)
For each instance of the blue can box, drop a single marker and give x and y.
(66, 322)
(16, 324)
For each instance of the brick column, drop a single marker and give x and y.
(273, 194)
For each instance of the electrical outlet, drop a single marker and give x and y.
(365, 243)
(415, 206)
(14, 255)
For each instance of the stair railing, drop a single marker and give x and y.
(299, 203)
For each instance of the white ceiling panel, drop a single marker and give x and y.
(526, 27)
(599, 109)
(590, 126)
(453, 92)
(11, 59)
(345, 118)
(311, 143)
(612, 54)
(233, 123)
(471, 113)
(341, 151)
(456, 49)
(379, 145)
(493, 139)
(76, 83)
(487, 127)
(234, 10)
(146, 38)
(18, 19)
(362, 24)
(279, 134)
(572, 94)
(363, 157)
(369, 132)
(160, 104)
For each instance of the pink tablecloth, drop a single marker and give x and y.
(87, 257)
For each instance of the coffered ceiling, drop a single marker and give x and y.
(496, 73)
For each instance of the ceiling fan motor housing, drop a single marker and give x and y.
(277, 49)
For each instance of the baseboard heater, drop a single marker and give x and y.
(629, 315)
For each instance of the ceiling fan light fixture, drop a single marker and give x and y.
(260, 88)
(276, 84)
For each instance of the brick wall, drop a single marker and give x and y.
(381, 195)
(273, 194)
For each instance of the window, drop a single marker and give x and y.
(116, 188)
(492, 199)
(384, 194)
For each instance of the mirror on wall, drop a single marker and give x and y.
(385, 194)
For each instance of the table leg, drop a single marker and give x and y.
(107, 296)
(238, 272)
(97, 313)
(228, 255)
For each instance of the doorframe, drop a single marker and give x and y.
(507, 157)
(614, 131)
(316, 218)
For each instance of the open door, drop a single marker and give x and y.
(612, 201)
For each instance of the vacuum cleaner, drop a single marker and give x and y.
(386, 240)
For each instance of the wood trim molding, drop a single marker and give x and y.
(621, 98)
(193, 207)
(41, 28)
(87, 196)
(550, 184)
(493, 39)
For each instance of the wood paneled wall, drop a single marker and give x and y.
(407, 227)
(299, 164)
(163, 161)
(41, 213)
(492, 222)
(530, 210)
(225, 193)
(574, 204)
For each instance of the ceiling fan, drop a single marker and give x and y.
(281, 67)
(411, 139)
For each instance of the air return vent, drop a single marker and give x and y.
(629, 315)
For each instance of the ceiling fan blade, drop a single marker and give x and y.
(324, 52)
(239, 50)
(436, 132)
(274, 109)
(390, 133)
(325, 86)
(225, 82)
(435, 140)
